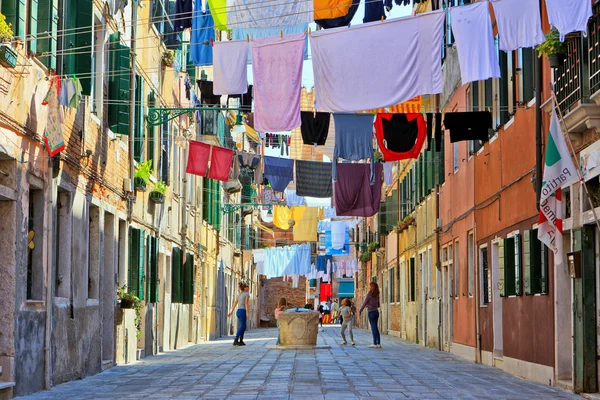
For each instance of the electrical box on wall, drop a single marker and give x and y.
(574, 261)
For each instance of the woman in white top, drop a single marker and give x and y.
(242, 313)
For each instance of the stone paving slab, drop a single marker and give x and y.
(217, 370)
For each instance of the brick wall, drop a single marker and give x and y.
(275, 288)
(395, 317)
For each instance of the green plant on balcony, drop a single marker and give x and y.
(553, 49)
(130, 301)
(365, 256)
(158, 194)
(142, 174)
(373, 246)
(6, 32)
(168, 58)
(8, 56)
(409, 220)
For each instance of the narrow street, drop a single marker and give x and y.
(217, 370)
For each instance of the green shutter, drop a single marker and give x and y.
(83, 44)
(142, 265)
(176, 275)
(14, 11)
(151, 141)
(188, 279)
(429, 171)
(136, 275)
(152, 269)
(47, 32)
(509, 266)
(501, 282)
(442, 155)
(33, 26)
(138, 138)
(382, 218)
(528, 260)
(417, 167)
(527, 74)
(503, 86)
(118, 86)
(393, 207)
(518, 258)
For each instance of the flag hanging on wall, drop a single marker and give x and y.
(559, 172)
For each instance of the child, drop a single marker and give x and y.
(348, 316)
(280, 306)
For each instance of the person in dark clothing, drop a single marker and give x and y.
(321, 309)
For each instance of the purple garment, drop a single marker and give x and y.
(277, 69)
(354, 196)
(279, 172)
(371, 302)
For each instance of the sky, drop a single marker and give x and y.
(307, 70)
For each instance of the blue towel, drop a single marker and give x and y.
(203, 29)
(279, 172)
(353, 140)
(258, 33)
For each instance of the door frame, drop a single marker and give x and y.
(494, 255)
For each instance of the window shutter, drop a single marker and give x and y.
(118, 86)
(176, 275)
(501, 283)
(544, 271)
(47, 29)
(537, 264)
(527, 74)
(138, 139)
(134, 261)
(503, 58)
(151, 142)
(509, 266)
(382, 216)
(429, 171)
(153, 269)
(14, 11)
(83, 43)
(33, 25)
(188, 281)
(165, 154)
(141, 265)
(442, 164)
(393, 207)
(418, 181)
(528, 260)
(518, 286)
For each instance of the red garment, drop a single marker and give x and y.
(389, 155)
(220, 163)
(325, 290)
(198, 156)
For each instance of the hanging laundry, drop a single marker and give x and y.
(254, 14)
(230, 69)
(429, 117)
(569, 15)
(374, 11)
(219, 13)
(53, 136)
(198, 157)
(315, 127)
(292, 199)
(340, 56)
(201, 153)
(353, 139)
(313, 179)
(281, 217)
(246, 104)
(344, 249)
(207, 93)
(339, 234)
(354, 195)
(388, 176)
(220, 163)
(233, 184)
(306, 220)
(203, 30)
(400, 136)
(329, 9)
(468, 125)
(209, 122)
(439, 133)
(183, 18)
(329, 212)
(251, 161)
(519, 23)
(279, 172)
(269, 196)
(287, 260)
(345, 20)
(257, 33)
(477, 55)
(277, 70)
(67, 91)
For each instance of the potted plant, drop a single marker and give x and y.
(168, 58)
(553, 49)
(8, 56)
(409, 220)
(131, 301)
(365, 256)
(158, 194)
(373, 247)
(142, 175)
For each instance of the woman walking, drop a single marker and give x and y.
(242, 313)
(372, 304)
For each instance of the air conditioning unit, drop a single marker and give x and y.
(127, 185)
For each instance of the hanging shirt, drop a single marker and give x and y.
(477, 55)
(279, 172)
(519, 23)
(183, 18)
(569, 15)
(327, 23)
(219, 13)
(208, 97)
(281, 217)
(277, 69)
(343, 55)
(354, 195)
(353, 139)
(313, 179)
(203, 30)
(468, 125)
(254, 13)
(400, 136)
(53, 136)
(233, 185)
(230, 68)
(306, 221)
(374, 11)
(388, 176)
(315, 127)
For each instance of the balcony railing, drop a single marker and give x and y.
(568, 77)
(594, 48)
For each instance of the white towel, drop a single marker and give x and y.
(519, 23)
(230, 67)
(569, 15)
(378, 64)
(477, 55)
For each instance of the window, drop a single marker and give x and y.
(136, 275)
(187, 277)
(118, 86)
(474, 145)
(93, 270)
(176, 162)
(506, 89)
(412, 294)
(152, 256)
(47, 32)
(525, 70)
(98, 68)
(430, 293)
(77, 43)
(151, 139)
(510, 266)
(471, 261)
(456, 270)
(455, 154)
(14, 11)
(486, 276)
(140, 111)
(165, 153)
(391, 276)
(35, 237)
(176, 271)
(535, 263)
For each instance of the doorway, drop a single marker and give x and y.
(497, 303)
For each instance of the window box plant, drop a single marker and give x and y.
(142, 175)
(158, 194)
(130, 301)
(168, 58)
(553, 49)
(8, 56)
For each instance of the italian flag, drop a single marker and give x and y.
(559, 172)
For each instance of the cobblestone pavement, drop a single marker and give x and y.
(216, 370)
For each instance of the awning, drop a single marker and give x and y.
(346, 289)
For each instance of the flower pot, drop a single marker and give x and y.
(127, 303)
(8, 56)
(139, 184)
(404, 226)
(157, 197)
(556, 60)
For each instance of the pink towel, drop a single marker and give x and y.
(277, 71)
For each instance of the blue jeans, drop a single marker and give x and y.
(241, 314)
(373, 319)
(278, 334)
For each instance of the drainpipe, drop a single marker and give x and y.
(49, 277)
(134, 10)
(538, 128)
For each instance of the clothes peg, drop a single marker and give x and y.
(382, 17)
(212, 42)
(281, 34)
(309, 31)
(247, 38)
